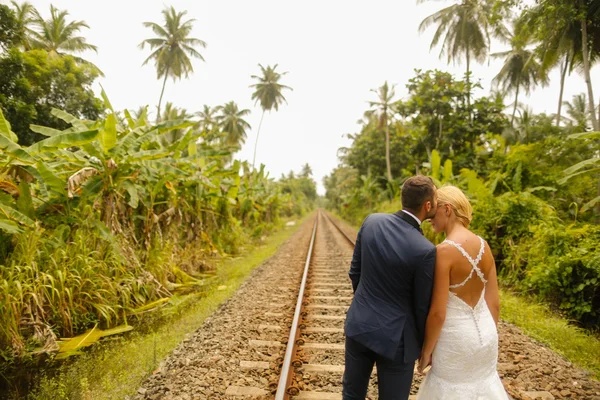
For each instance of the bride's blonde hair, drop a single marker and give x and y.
(459, 203)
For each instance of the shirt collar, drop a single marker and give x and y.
(412, 215)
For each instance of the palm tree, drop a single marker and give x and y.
(268, 93)
(382, 107)
(524, 125)
(172, 48)
(466, 29)
(579, 114)
(172, 113)
(306, 171)
(233, 125)
(141, 114)
(558, 45)
(25, 14)
(557, 48)
(208, 118)
(584, 15)
(56, 35)
(520, 69)
(568, 31)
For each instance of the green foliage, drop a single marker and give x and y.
(10, 32)
(32, 83)
(105, 217)
(528, 184)
(565, 268)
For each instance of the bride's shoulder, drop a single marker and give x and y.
(445, 248)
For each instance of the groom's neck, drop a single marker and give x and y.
(413, 212)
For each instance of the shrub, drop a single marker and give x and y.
(564, 266)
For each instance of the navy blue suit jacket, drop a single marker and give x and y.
(392, 277)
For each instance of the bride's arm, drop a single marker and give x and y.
(492, 297)
(439, 300)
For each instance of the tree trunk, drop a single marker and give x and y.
(586, 69)
(512, 120)
(468, 80)
(387, 151)
(439, 139)
(257, 133)
(161, 94)
(563, 74)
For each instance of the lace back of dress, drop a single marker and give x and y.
(474, 263)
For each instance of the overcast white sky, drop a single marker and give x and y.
(335, 52)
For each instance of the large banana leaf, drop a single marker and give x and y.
(52, 181)
(590, 204)
(130, 120)
(94, 150)
(9, 213)
(127, 143)
(564, 180)
(44, 130)
(148, 155)
(5, 129)
(64, 140)
(106, 101)
(72, 346)
(108, 135)
(25, 202)
(9, 226)
(192, 149)
(151, 306)
(68, 118)
(181, 144)
(584, 135)
(92, 187)
(585, 163)
(15, 151)
(133, 193)
(168, 126)
(166, 168)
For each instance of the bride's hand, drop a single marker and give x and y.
(424, 362)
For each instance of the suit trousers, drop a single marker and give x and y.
(394, 376)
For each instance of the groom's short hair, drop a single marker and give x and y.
(416, 191)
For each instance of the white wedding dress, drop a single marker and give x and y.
(465, 357)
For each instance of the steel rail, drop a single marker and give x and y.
(352, 242)
(286, 369)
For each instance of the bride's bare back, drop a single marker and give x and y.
(465, 281)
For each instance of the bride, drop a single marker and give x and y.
(461, 337)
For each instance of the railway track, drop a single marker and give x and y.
(314, 357)
(273, 339)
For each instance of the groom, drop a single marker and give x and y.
(392, 277)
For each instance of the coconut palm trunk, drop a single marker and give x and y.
(161, 94)
(468, 81)
(563, 75)
(512, 120)
(387, 152)
(586, 69)
(257, 133)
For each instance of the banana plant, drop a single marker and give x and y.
(589, 166)
(16, 207)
